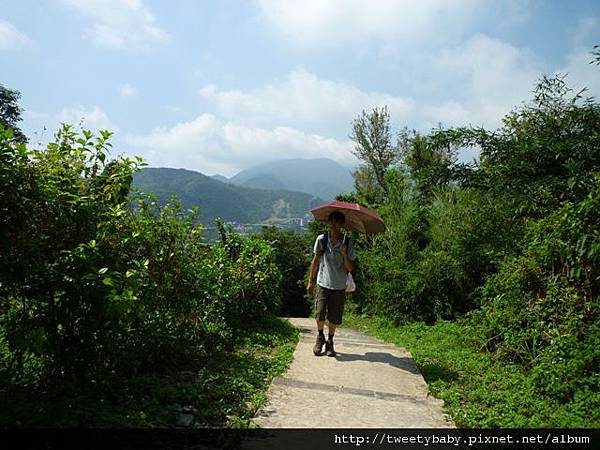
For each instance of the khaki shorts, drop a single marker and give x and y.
(330, 303)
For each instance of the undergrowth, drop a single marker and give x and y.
(479, 392)
(225, 391)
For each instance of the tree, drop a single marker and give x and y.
(366, 186)
(429, 160)
(10, 112)
(373, 145)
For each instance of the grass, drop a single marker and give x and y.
(478, 391)
(225, 392)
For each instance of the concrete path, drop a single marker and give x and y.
(369, 384)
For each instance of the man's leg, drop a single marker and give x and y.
(332, 327)
(334, 317)
(329, 351)
(320, 328)
(320, 301)
(318, 348)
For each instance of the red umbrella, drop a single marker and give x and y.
(358, 218)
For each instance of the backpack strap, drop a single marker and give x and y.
(324, 242)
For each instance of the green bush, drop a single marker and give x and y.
(512, 242)
(553, 286)
(249, 279)
(433, 258)
(293, 253)
(541, 309)
(94, 282)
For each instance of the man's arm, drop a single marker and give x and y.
(314, 268)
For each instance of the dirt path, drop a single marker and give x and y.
(368, 384)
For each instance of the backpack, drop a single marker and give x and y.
(325, 241)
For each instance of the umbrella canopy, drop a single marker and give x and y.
(358, 218)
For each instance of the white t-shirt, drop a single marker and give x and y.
(332, 273)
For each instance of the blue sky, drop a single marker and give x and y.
(223, 85)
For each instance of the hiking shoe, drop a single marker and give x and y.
(329, 348)
(318, 348)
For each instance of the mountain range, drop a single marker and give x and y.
(225, 200)
(268, 192)
(320, 177)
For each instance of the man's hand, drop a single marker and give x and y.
(344, 249)
(309, 287)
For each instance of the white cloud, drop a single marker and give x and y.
(120, 24)
(42, 126)
(493, 77)
(210, 145)
(93, 119)
(127, 90)
(325, 22)
(446, 113)
(303, 99)
(580, 73)
(489, 78)
(11, 38)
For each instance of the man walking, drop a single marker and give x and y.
(332, 261)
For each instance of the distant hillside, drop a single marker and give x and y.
(321, 177)
(264, 181)
(220, 178)
(218, 199)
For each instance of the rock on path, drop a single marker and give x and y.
(369, 384)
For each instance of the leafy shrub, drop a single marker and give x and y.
(513, 242)
(251, 277)
(552, 288)
(541, 309)
(470, 233)
(293, 253)
(52, 203)
(94, 282)
(433, 258)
